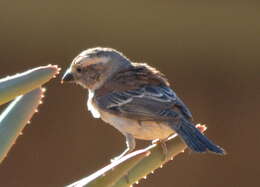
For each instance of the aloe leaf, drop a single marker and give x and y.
(119, 174)
(155, 160)
(108, 175)
(19, 84)
(15, 117)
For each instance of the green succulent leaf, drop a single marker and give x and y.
(139, 170)
(108, 175)
(155, 160)
(22, 83)
(151, 163)
(15, 117)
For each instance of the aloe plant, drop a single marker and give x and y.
(141, 167)
(19, 112)
(22, 83)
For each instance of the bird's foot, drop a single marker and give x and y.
(116, 158)
(163, 146)
(120, 156)
(156, 141)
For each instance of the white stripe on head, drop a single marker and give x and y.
(86, 60)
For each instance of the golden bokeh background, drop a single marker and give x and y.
(208, 50)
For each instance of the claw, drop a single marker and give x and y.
(116, 158)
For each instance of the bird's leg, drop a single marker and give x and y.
(130, 143)
(163, 146)
(164, 149)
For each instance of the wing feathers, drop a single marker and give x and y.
(149, 102)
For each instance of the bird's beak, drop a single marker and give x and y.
(67, 77)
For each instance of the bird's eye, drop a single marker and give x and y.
(79, 70)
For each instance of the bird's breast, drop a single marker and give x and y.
(91, 105)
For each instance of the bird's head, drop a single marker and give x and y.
(92, 67)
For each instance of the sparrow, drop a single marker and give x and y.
(135, 98)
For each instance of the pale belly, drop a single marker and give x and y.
(146, 130)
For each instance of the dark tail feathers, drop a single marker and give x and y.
(195, 139)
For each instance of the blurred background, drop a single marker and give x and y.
(208, 50)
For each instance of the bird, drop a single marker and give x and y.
(135, 98)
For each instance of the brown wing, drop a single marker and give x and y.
(147, 103)
(140, 92)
